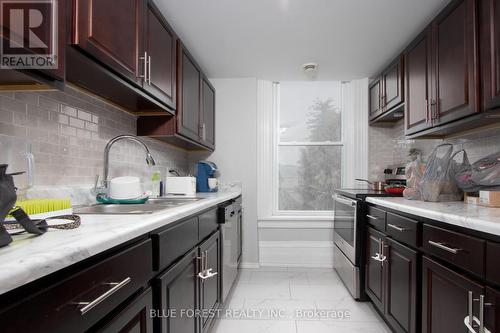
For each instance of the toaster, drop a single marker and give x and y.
(185, 186)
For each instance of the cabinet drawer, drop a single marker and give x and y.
(403, 229)
(376, 217)
(80, 301)
(207, 223)
(492, 269)
(464, 251)
(171, 244)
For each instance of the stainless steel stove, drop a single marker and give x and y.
(348, 236)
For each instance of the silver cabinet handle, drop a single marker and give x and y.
(371, 217)
(383, 257)
(427, 110)
(149, 70)
(481, 314)
(395, 227)
(92, 304)
(476, 322)
(145, 59)
(471, 320)
(202, 263)
(444, 247)
(206, 273)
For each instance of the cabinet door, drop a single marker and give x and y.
(189, 94)
(112, 34)
(375, 94)
(456, 61)
(490, 52)
(374, 268)
(417, 84)
(160, 46)
(492, 310)
(401, 287)
(445, 298)
(210, 290)
(392, 83)
(177, 291)
(208, 114)
(135, 318)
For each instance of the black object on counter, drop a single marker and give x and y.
(8, 199)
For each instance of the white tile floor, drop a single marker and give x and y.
(271, 300)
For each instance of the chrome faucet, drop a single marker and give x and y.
(104, 185)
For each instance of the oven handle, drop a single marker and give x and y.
(345, 201)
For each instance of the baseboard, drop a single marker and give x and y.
(296, 254)
(249, 265)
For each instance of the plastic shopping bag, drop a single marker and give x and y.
(436, 179)
(414, 172)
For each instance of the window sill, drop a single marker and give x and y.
(285, 218)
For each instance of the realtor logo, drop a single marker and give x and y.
(29, 34)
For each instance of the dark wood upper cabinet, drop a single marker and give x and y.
(207, 127)
(392, 85)
(401, 287)
(375, 93)
(490, 52)
(386, 94)
(161, 56)
(418, 84)
(442, 89)
(112, 34)
(445, 297)
(456, 61)
(189, 95)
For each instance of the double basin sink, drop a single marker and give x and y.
(151, 206)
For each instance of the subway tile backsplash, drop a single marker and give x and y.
(387, 145)
(67, 132)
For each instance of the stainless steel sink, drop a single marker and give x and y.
(151, 206)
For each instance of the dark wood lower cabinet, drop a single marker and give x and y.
(184, 296)
(492, 310)
(374, 269)
(210, 288)
(401, 287)
(176, 295)
(135, 318)
(445, 297)
(391, 281)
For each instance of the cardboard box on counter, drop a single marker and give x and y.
(489, 198)
(471, 199)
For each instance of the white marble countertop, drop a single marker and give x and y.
(29, 257)
(458, 213)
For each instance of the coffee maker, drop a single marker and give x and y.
(204, 171)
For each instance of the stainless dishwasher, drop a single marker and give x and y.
(230, 231)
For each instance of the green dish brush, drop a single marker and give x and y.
(42, 206)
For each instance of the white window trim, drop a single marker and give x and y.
(354, 150)
(276, 143)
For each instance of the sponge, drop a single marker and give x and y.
(40, 206)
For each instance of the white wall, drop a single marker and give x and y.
(236, 151)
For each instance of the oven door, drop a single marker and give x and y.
(344, 226)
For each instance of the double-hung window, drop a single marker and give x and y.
(307, 147)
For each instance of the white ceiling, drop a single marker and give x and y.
(271, 39)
